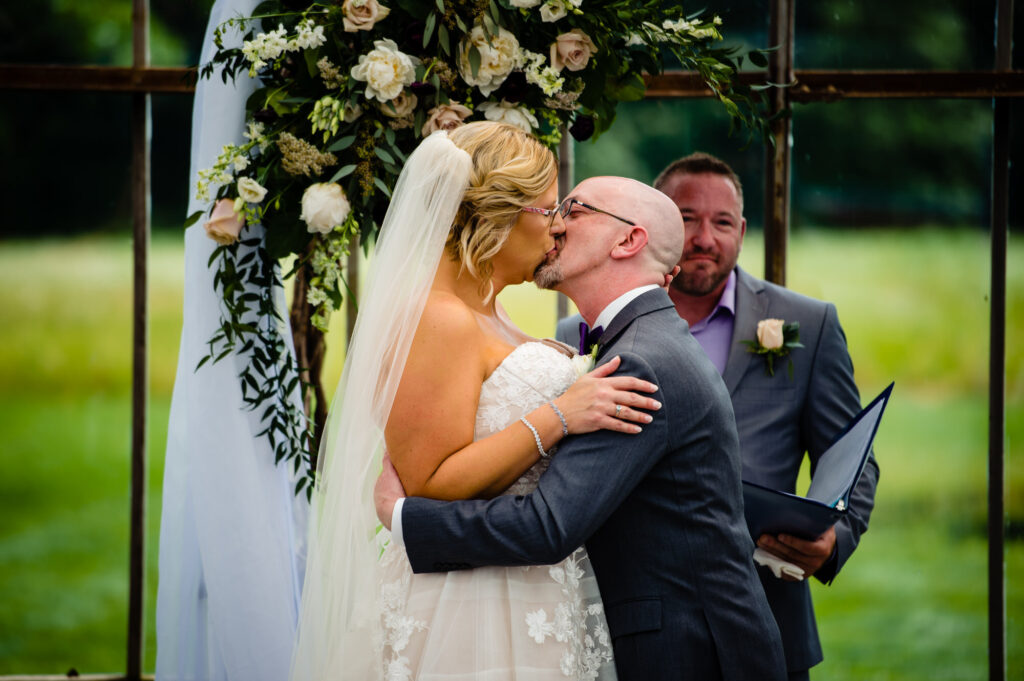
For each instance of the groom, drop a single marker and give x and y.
(661, 512)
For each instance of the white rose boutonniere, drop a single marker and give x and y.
(584, 364)
(775, 338)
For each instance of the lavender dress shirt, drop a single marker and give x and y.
(714, 332)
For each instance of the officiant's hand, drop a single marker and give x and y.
(670, 276)
(809, 555)
(387, 491)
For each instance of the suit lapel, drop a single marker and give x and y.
(751, 307)
(645, 303)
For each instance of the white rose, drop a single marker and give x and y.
(385, 70)
(250, 190)
(324, 206)
(582, 364)
(552, 10)
(224, 224)
(507, 112)
(361, 15)
(769, 333)
(402, 105)
(572, 50)
(525, 4)
(444, 117)
(497, 59)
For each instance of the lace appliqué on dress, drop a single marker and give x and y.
(397, 627)
(575, 622)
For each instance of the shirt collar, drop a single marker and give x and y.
(726, 301)
(616, 306)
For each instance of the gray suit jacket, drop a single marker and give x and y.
(779, 419)
(660, 512)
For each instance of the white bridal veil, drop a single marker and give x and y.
(232, 531)
(340, 629)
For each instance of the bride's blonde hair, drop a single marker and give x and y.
(511, 169)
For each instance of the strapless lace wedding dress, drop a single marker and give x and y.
(499, 623)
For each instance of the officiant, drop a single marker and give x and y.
(789, 399)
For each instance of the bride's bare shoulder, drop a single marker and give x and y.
(447, 319)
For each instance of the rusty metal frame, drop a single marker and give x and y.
(1000, 84)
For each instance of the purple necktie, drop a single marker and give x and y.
(589, 336)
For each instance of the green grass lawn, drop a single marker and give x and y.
(911, 604)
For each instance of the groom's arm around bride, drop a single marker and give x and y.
(660, 512)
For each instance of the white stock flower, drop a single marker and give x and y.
(769, 333)
(323, 207)
(497, 58)
(240, 162)
(309, 36)
(361, 15)
(507, 112)
(250, 191)
(572, 50)
(385, 70)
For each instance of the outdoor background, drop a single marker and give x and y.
(889, 221)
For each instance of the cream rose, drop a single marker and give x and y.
(572, 50)
(361, 15)
(769, 333)
(324, 206)
(251, 191)
(445, 117)
(507, 112)
(402, 105)
(385, 70)
(224, 224)
(497, 58)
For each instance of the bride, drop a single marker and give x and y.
(468, 406)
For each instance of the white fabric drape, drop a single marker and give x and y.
(232, 532)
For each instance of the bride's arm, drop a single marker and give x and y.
(430, 429)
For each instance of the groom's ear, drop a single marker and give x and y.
(630, 243)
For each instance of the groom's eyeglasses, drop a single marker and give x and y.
(565, 208)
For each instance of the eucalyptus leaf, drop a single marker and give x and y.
(342, 172)
(342, 143)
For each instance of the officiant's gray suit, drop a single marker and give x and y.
(779, 419)
(660, 513)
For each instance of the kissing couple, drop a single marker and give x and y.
(514, 459)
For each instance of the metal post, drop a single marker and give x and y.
(777, 159)
(997, 357)
(566, 169)
(141, 136)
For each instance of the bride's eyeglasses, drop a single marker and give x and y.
(565, 208)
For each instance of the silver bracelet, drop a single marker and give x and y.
(561, 417)
(536, 437)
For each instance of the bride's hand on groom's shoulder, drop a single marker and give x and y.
(599, 400)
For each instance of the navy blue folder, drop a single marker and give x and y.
(770, 511)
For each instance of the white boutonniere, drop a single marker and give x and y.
(775, 338)
(584, 364)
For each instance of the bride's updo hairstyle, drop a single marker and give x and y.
(511, 169)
